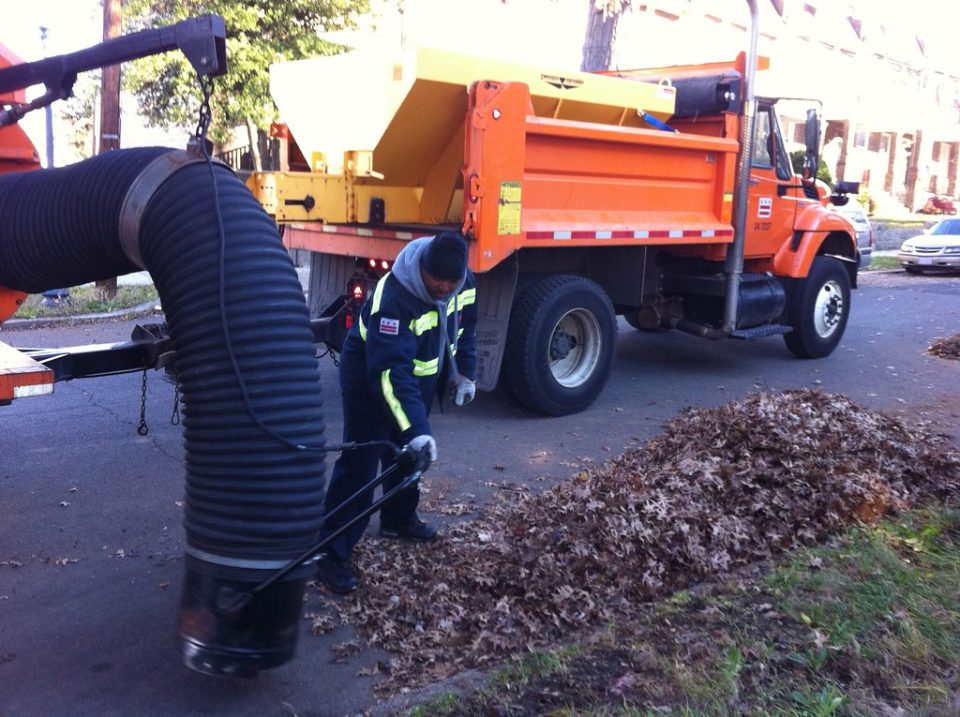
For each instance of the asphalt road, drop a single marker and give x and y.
(91, 538)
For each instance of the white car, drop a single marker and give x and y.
(854, 212)
(935, 249)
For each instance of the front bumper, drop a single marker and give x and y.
(929, 261)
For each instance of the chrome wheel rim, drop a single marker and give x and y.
(828, 309)
(574, 349)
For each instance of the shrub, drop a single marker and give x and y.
(797, 159)
(938, 205)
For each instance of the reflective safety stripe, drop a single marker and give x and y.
(466, 298)
(374, 305)
(378, 294)
(422, 324)
(395, 408)
(425, 368)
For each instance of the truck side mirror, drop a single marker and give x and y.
(811, 137)
(841, 192)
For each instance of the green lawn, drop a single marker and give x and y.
(86, 300)
(865, 626)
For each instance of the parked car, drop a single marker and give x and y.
(857, 215)
(935, 249)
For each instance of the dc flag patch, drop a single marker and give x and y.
(390, 327)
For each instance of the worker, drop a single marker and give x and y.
(414, 338)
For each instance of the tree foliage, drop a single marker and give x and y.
(77, 114)
(259, 33)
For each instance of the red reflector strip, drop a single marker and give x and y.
(637, 234)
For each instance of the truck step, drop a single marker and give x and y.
(758, 332)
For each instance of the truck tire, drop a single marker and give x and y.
(819, 310)
(560, 345)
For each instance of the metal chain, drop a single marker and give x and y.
(142, 429)
(205, 115)
(332, 354)
(175, 416)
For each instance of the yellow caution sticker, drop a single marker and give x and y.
(508, 213)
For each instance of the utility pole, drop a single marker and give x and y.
(110, 110)
(52, 297)
(48, 110)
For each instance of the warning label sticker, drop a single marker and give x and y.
(508, 211)
(764, 207)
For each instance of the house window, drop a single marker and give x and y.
(879, 142)
(860, 139)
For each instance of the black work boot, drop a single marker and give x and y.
(337, 575)
(413, 529)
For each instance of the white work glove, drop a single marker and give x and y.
(465, 392)
(425, 442)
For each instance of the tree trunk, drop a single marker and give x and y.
(602, 19)
(254, 146)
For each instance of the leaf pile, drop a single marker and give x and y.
(948, 348)
(718, 489)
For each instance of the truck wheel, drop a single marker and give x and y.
(819, 310)
(560, 345)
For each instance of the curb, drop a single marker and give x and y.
(462, 685)
(144, 309)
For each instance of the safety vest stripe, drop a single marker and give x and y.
(362, 327)
(378, 294)
(467, 297)
(422, 324)
(395, 408)
(464, 298)
(425, 368)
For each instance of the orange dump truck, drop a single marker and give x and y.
(583, 197)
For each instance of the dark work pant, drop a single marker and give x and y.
(364, 419)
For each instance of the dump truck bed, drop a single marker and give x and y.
(517, 157)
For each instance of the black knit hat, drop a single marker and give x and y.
(446, 257)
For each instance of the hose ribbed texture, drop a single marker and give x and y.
(249, 496)
(59, 227)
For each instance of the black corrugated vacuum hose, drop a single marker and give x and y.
(253, 502)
